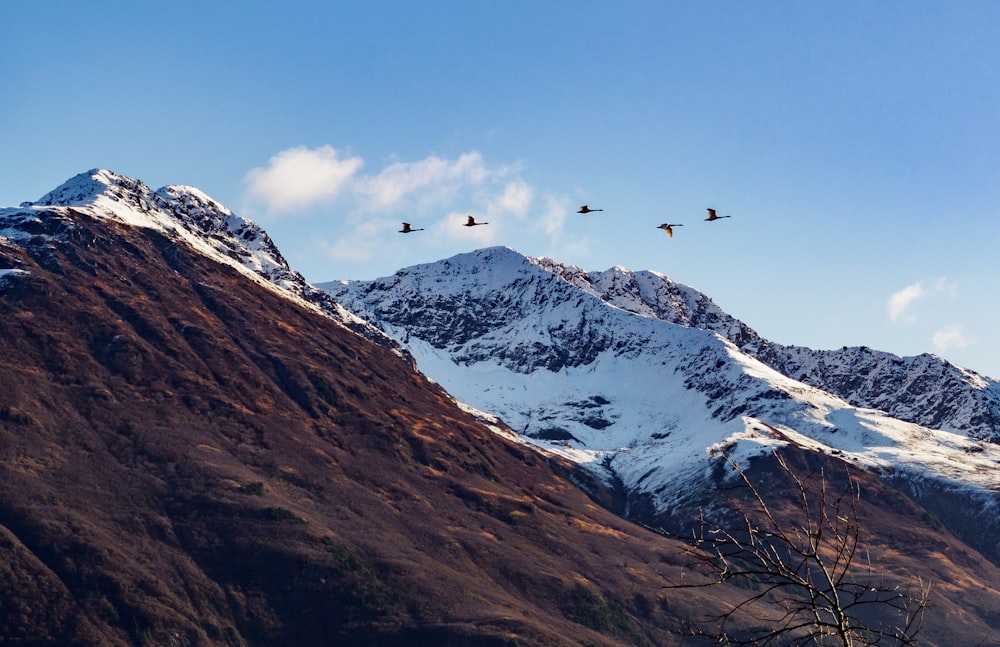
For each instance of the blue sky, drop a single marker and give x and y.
(856, 145)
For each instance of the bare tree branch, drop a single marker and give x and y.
(807, 580)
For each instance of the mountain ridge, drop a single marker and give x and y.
(830, 370)
(196, 455)
(894, 384)
(630, 372)
(187, 214)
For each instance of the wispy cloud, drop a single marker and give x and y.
(554, 216)
(900, 302)
(432, 180)
(516, 197)
(304, 177)
(300, 177)
(943, 285)
(951, 336)
(333, 195)
(435, 193)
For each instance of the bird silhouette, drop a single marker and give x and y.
(667, 227)
(586, 209)
(472, 222)
(407, 229)
(713, 216)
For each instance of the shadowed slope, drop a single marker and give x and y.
(190, 459)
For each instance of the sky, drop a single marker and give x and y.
(855, 145)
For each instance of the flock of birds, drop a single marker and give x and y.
(667, 227)
(408, 228)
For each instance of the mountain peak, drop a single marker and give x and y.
(177, 210)
(494, 257)
(598, 364)
(109, 194)
(84, 189)
(182, 213)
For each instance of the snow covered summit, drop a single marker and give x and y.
(644, 379)
(182, 213)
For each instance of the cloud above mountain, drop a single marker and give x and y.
(900, 303)
(433, 180)
(300, 177)
(900, 306)
(951, 336)
(435, 193)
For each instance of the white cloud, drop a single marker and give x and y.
(945, 286)
(951, 336)
(433, 179)
(299, 177)
(900, 302)
(434, 193)
(516, 198)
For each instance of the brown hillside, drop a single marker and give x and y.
(189, 459)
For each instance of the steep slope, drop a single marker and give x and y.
(190, 457)
(610, 362)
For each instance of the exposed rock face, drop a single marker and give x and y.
(925, 389)
(185, 214)
(448, 305)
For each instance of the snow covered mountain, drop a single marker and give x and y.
(627, 372)
(644, 379)
(164, 420)
(925, 389)
(183, 213)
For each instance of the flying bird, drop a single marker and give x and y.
(667, 227)
(407, 229)
(472, 222)
(713, 216)
(586, 209)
